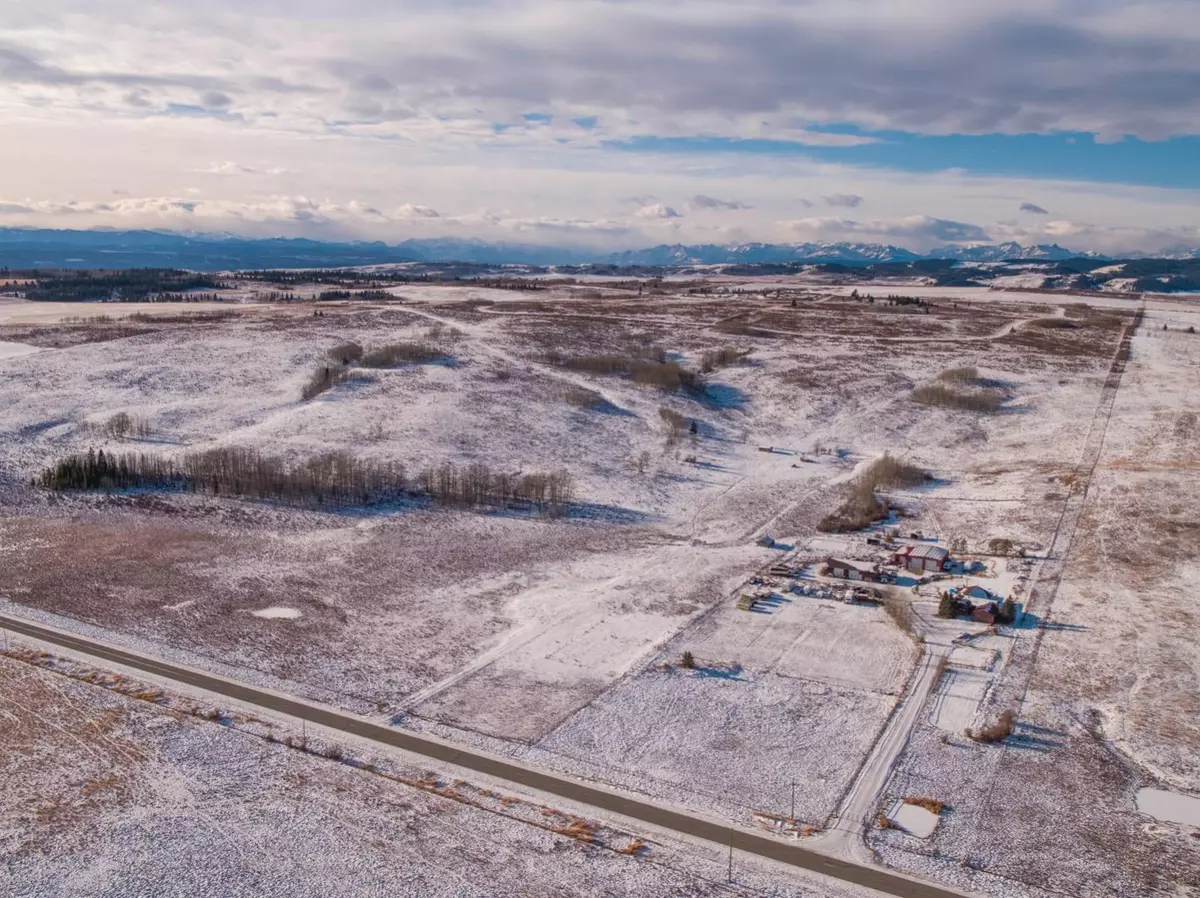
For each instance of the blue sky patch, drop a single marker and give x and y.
(1173, 163)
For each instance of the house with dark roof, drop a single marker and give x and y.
(865, 571)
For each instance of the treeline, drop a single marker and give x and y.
(508, 284)
(476, 486)
(133, 285)
(335, 276)
(334, 478)
(330, 295)
(206, 317)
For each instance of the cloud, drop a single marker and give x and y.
(214, 99)
(763, 69)
(920, 231)
(236, 168)
(410, 210)
(703, 201)
(1108, 239)
(657, 210)
(316, 217)
(843, 200)
(1033, 209)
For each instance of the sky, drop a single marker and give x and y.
(608, 123)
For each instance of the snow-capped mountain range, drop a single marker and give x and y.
(31, 248)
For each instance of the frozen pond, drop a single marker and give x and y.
(914, 819)
(277, 613)
(1169, 807)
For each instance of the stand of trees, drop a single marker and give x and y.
(331, 479)
(133, 285)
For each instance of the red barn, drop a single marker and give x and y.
(921, 558)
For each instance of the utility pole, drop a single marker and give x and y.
(731, 854)
(793, 817)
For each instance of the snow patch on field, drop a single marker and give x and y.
(10, 350)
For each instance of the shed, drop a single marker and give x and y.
(865, 571)
(921, 558)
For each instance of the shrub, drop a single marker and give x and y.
(645, 365)
(930, 804)
(687, 661)
(401, 354)
(667, 376)
(939, 394)
(324, 378)
(581, 397)
(712, 359)
(123, 426)
(862, 507)
(964, 375)
(675, 422)
(441, 331)
(740, 328)
(900, 610)
(1054, 323)
(995, 732)
(888, 471)
(346, 353)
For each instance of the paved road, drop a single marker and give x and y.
(678, 820)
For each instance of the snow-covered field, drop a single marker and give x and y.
(558, 640)
(112, 797)
(1112, 705)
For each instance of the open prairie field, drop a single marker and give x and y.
(692, 441)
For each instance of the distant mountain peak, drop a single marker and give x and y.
(96, 248)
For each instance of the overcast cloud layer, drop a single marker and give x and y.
(494, 119)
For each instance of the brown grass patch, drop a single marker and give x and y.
(944, 396)
(930, 804)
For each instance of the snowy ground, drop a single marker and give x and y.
(112, 797)
(555, 640)
(1112, 707)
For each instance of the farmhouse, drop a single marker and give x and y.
(985, 614)
(921, 558)
(852, 570)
